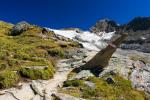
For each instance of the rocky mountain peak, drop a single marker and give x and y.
(104, 25)
(139, 23)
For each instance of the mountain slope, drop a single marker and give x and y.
(28, 51)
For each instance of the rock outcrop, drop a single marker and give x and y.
(132, 65)
(138, 31)
(19, 28)
(139, 34)
(102, 58)
(104, 26)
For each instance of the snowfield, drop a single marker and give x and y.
(90, 41)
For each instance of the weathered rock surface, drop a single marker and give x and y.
(137, 71)
(24, 93)
(84, 74)
(19, 28)
(140, 76)
(104, 25)
(90, 84)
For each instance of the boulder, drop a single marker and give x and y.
(37, 87)
(109, 80)
(84, 74)
(140, 76)
(19, 28)
(90, 84)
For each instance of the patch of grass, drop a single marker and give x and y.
(74, 44)
(5, 28)
(37, 73)
(74, 83)
(121, 89)
(56, 52)
(71, 74)
(8, 79)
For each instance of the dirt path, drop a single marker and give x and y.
(40, 89)
(59, 77)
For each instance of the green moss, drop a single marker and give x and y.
(75, 83)
(121, 89)
(44, 74)
(74, 44)
(56, 52)
(3, 55)
(5, 28)
(3, 65)
(8, 79)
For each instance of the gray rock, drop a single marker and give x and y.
(24, 93)
(107, 71)
(59, 37)
(110, 80)
(37, 97)
(75, 54)
(84, 74)
(90, 84)
(104, 25)
(140, 77)
(36, 67)
(19, 28)
(37, 88)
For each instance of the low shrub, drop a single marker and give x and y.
(34, 74)
(75, 83)
(56, 52)
(8, 79)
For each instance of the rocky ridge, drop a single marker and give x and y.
(138, 29)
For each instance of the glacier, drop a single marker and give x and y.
(90, 41)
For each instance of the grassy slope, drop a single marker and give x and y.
(27, 49)
(120, 90)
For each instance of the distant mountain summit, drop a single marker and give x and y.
(139, 23)
(104, 25)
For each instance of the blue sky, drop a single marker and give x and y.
(71, 13)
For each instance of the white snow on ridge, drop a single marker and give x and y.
(90, 41)
(66, 33)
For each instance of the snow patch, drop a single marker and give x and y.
(90, 41)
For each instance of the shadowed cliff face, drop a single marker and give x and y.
(102, 58)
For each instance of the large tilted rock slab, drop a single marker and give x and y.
(24, 93)
(102, 58)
